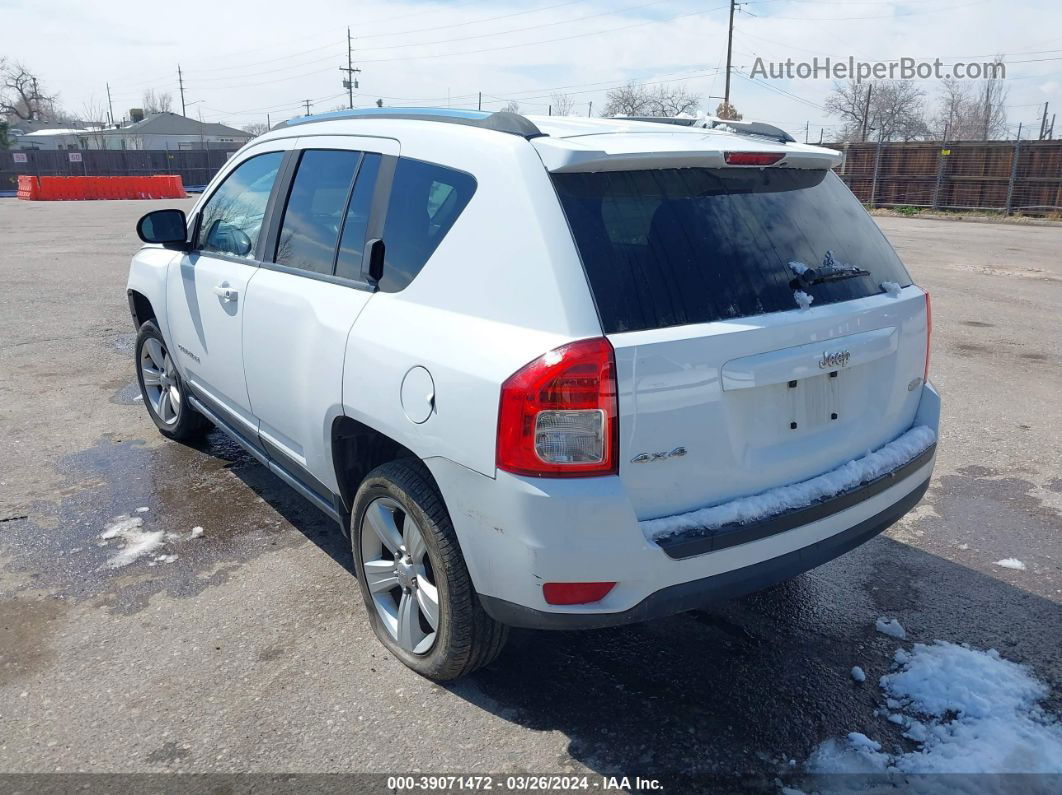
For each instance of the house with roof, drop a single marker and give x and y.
(167, 131)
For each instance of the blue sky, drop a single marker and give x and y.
(244, 61)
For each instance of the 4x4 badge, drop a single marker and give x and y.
(644, 458)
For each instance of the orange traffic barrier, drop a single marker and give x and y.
(160, 186)
(28, 187)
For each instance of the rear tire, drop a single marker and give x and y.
(164, 393)
(417, 591)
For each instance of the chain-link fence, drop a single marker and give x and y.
(195, 166)
(1005, 176)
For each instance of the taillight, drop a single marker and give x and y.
(558, 414)
(752, 158)
(929, 335)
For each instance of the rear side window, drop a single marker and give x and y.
(669, 247)
(425, 201)
(314, 213)
(231, 220)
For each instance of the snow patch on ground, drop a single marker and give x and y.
(890, 627)
(968, 711)
(137, 541)
(797, 495)
(1011, 563)
(858, 674)
(197, 531)
(803, 299)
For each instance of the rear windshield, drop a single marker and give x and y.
(669, 247)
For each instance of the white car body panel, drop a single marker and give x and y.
(504, 286)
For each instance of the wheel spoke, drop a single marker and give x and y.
(412, 538)
(409, 631)
(382, 521)
(152, 377)
(175, 398)
(380, 575)
(156, 353)
(165, 409)
(428, 601)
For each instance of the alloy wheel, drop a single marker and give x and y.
(399, 575)
(161, 387)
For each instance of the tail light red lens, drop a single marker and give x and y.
(558, 414)
(575, 593)
(752, 158)
(929, 335)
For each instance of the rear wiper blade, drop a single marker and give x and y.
(829, 271)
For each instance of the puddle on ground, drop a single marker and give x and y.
(244, 510)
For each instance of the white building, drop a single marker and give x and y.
(158, 131)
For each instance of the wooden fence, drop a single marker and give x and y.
(1006, 176)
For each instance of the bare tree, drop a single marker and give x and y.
(94, 121)
(629, 100)
(896, 110)
(562, 104)
(21, 95)
(256, 128)
(160, 102)
(512, 106)
(672, 101)
(726, 110)
(968, 112)
(634, 99)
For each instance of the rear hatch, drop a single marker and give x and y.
(765, 331)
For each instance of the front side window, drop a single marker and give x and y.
(314, 213)
(231, 220)
(426, 200)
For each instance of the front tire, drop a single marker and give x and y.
(164, 393)
(413, 578)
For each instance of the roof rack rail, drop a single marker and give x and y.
(501, 121)
(680, 121)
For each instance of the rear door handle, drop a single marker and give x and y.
(226, 294)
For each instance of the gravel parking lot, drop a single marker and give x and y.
(250, 651)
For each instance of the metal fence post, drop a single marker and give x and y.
(942, 159)
(1013, 174)
(874, 182)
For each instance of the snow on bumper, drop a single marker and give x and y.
(776, 501)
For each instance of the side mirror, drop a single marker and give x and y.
(374, 255)
(166, 227)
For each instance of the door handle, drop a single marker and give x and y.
(226, 294)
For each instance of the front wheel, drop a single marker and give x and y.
(413, 578)
(163, 391)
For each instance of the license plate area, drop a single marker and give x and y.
(812, 402)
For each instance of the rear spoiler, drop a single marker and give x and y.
(635, 151)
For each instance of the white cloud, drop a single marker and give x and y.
(241, 62)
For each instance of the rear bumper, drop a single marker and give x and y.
(518, 533)
(699, 593)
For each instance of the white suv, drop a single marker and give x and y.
(545, 372)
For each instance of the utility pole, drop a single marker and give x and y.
(110, 106)
(180, 83)
(307, 103)
(866, 111)
(590, 110)
(350, 83)
(807, 130)
(269, 124)
(729, 53)
(988, 108)
(479, 105)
